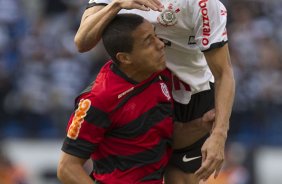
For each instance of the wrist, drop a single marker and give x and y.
(220, 133)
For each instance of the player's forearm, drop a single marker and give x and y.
(93, 24)
(70, 170)
(224, 97)
(73, 174)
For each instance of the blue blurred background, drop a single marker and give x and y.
(41, 73)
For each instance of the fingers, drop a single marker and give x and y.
(205, 164)
(141, 7)
(152, 4)
(205, 170)
(155, 5)
(157, 2)
(213, 157)
(209, 165)
(209, 116)
(204, 155)
(217, 171)
(144, 5)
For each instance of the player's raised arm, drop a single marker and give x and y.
(97, 17)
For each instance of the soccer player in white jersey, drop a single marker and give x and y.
(195, 35)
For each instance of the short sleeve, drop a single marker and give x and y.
(209, 19)
(86, 129)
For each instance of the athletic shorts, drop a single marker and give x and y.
(199, 104)
(189, 159)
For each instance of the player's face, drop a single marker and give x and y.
(148, 54)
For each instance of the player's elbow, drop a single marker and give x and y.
(223, 72)
(80, 46)
(62, 173)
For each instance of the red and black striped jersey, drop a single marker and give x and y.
(124, 126)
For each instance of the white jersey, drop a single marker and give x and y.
(188, 27)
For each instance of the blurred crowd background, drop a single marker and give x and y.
(41, 73)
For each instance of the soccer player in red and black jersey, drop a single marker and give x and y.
(196, 39)
(123, 121)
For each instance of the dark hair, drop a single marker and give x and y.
(117, 36)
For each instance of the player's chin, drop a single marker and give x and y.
(163, 60)
(162, 65)
(160, 68)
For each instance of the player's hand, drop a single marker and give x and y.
(144, 5)
(208, 119)
(212, 156)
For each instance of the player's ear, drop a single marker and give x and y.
(123, 57)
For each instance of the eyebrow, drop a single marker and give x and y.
(150, 35)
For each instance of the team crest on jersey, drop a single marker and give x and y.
(168, 16)
(165, 90)
(80, 113)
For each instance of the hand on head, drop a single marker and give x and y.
(144, 5)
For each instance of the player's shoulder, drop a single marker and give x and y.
(101, 99)
(99, 92)
(204, 5)
(105, 82)
(111, 86)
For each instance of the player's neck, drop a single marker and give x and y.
(134, 73)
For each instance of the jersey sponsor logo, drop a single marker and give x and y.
(165, 90)
(80, 113)
(168, 16)
(185, 159)
(206, 22)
